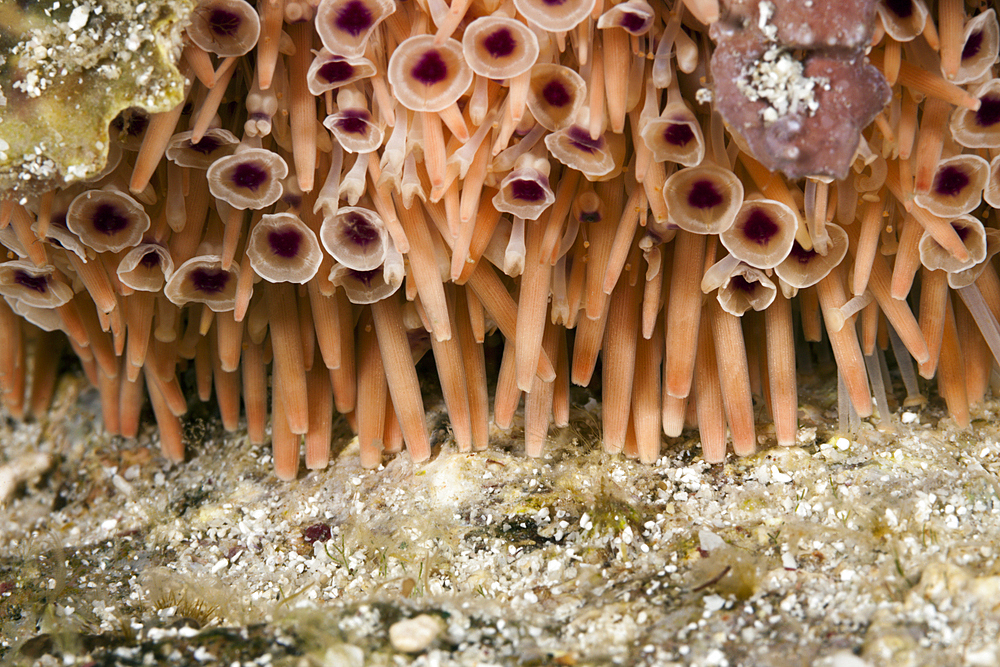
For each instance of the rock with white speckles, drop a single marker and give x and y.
(799, 105)
(67, 70)
(805, 24)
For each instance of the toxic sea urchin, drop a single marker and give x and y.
(676, 187)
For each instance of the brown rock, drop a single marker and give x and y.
(802, 24)
(800, 105)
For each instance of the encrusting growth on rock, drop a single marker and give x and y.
(684, 191)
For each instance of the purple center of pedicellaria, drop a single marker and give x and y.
(950, 181)
(632, 22)
(972, 45)
(150, 259)
(285, 242)
(366, 278)
(210, 281)
(555, 94)
(354, 18)
(358, 230)
(109, 219)
(249, 176)
(38, 284)
(527, 190)
(500, 43)
(206, 145)
(590, 216)
(989, 111)
(760, 227)
(335, 71)
(223, 22)
(678, 134)
(353, 122)
(580, 138)
(739, 282)
(554, 3)
(801, 255)
(901, 8)
(962, 231)
(704, 194)
(430, 69)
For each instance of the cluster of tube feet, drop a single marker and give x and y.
(681, 190)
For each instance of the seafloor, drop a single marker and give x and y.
(878, 549)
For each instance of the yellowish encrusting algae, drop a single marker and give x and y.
(67, 69)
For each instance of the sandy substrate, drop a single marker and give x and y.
(879, 549)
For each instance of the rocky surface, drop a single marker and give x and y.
(874, 549)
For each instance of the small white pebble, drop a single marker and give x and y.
(202, 655)
(79, 17)
(843, 659)
(123, 486)
(716, 657)
(714, 602)
(779, 477)
(413, 635)
(709, 541)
